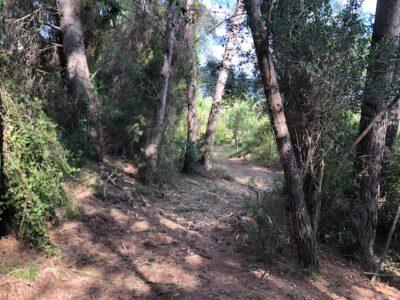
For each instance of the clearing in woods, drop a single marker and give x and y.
(185, 243)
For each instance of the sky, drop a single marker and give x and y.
(221, 8)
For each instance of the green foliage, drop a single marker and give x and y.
(246, 119)
(25, 273)
(34, 165)
(339, 215)
(391, 191)
(347, 240)
(270, 216)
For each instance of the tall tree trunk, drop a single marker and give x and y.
(393, 128)
(154, 140)
(394, 116)
(77, 68)
(191, 156)
(303, 120)
(1, 146)
(370, 151)
(209, 137)
(305, 238)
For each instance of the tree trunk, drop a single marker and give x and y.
(304, 234)
(77, 68)
(394, 116)
(304, 121)
(154, 140)
(235, 138)
(393, 128)
(371, 149)
(1, 146)
(191, 155)
(209, 137)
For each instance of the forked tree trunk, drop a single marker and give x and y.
(370, 151)
(216, 106)
(154, 140)
(305, 238)
(77, 68)
(191, 156)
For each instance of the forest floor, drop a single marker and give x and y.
(185, 242)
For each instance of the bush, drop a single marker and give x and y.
(271, 220)
(34, 166)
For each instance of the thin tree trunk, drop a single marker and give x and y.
(394, 117)
(235, 138)
(393, 128)
(387, 244)
(154, 140)
(191, 159)
(209, 137)
(371, 149)
(305, 238)
(1, 145)
(77, 67)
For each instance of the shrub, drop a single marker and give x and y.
(270, 216)
(34, 166)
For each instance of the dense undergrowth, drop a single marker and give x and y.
(35, 164)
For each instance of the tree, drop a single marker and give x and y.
(393, 128)
(78, 70)
(394, 116)
(320, 73)
(377, 92)
(154, 139)
(305, 238)
(209, 138)
(190, 161)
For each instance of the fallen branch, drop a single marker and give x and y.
(377, 274)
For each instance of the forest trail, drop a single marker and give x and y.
(187, 242)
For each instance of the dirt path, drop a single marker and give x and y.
(245, 172)
(186, 243)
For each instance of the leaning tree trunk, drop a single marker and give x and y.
(303, 231)
(209, 137)
(77, 68)
(191, 156)
(154, 140)
(370, 151)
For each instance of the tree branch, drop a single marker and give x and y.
(344, 157)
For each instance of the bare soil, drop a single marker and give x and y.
(185, 242)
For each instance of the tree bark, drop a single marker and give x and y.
(305, 137)
(191, 156)
(305, 238)
(371, 149)
(393, 128)
(216, 106)
(1, 146)
(394, 117)
(387, 244)
(154, 140)
(77, 68)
